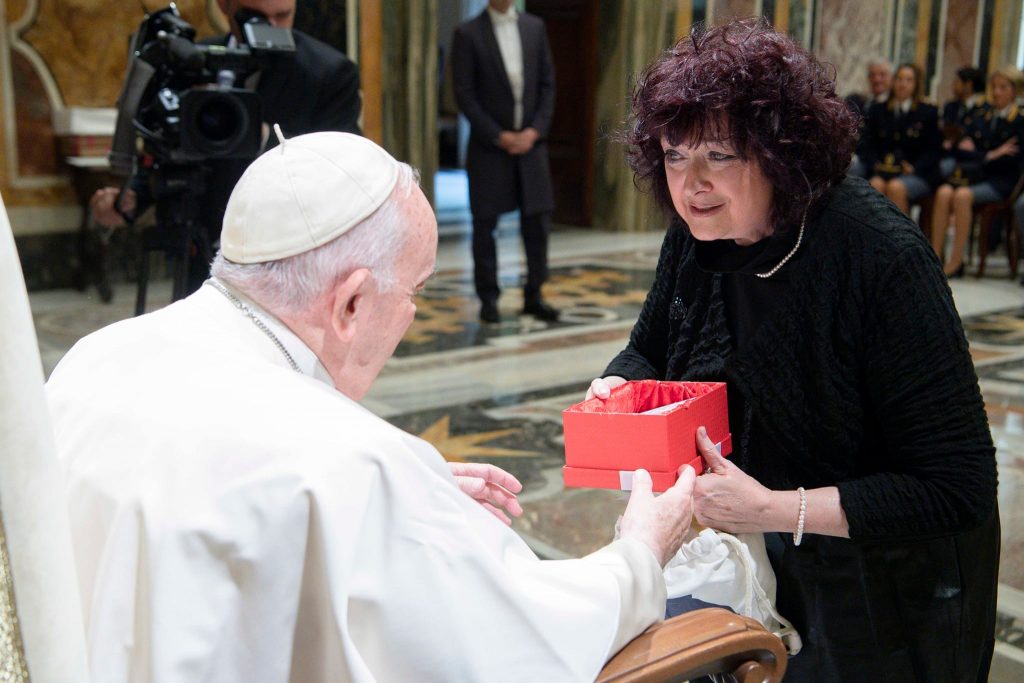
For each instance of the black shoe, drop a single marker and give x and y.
(489, 312)
(541, 310)
(958, 273)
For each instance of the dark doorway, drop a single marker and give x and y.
(572, 33)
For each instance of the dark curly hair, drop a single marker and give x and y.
(751, 84)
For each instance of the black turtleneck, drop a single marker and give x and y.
(748, 299)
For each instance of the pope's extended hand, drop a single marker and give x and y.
(602, 386)
(491, 486)
(724, 497)
(660, 522)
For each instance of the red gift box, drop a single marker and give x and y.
(606, 440)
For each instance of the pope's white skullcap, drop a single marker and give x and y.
(304, 193)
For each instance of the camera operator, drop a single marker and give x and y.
(316, 89)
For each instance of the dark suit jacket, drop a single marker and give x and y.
(315, 90)
(498, 181)
(914, 138)
(953, 113)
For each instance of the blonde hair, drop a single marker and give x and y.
(1010, 73)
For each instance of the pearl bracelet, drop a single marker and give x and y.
(799, 535)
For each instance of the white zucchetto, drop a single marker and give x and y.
(304, 193)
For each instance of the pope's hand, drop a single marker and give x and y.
(491, 486)
(659, 523)
(724, 497)
(602, 386)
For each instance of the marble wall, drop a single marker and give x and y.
(851, 35)
(56, 54)
(722, 10)
(961, 30)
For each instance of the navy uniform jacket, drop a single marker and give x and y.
(989, 132)
(953, 113)
(498, 181)
(914, 137)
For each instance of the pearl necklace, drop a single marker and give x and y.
(251, 315)
(785, 259)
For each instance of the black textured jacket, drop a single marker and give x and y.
(860, 378)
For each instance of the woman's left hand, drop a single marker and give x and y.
(726, 498)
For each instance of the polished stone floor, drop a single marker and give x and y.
(495, 393)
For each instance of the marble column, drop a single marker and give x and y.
(630, 35)
(851, 35)
(409, 85)
(724, 10)
(958, 51)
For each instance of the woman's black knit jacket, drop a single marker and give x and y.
(860, 378)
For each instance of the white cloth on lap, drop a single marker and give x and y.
(733, 571)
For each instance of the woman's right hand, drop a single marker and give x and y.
(602, 386)
(966, 144)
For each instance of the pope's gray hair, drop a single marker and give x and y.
(293, 284)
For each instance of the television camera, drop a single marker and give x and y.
(183, 104)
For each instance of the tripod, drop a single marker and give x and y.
(177, 189)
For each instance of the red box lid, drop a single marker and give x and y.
(591, 477)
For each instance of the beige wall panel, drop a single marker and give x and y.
(851, 36)
(731, 9)
(37, 147)
(85, 42)
(80, 46)
(961, 32)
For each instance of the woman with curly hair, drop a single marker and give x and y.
(861, 444)
(901, 142)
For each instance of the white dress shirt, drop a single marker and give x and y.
(510, 43)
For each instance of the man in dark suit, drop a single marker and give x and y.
(879, 78)
(316, 89)
(968, 92)
(505, 85)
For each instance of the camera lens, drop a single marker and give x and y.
(219, 119)
(219, 123)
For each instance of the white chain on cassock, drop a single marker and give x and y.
(251, 315)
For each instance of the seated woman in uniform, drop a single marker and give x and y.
(901, 142)
(988, 165)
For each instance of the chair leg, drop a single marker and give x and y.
(985, 223)
(1012, 245)
(924, 218)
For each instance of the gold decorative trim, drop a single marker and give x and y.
(13, 666)
(10, 40)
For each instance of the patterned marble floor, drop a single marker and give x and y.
(495, 393)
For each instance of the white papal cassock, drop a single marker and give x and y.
(235, 520)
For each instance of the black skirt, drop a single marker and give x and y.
(918, 610)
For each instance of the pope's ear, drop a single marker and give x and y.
(348, 301)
